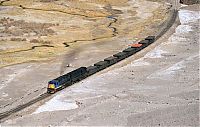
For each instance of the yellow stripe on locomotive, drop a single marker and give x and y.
(52, 86)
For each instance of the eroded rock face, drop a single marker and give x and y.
(189, 2)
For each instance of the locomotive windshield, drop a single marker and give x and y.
(53, 82)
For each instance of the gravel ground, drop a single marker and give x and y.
(157, 87)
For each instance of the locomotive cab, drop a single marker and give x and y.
(52, 86)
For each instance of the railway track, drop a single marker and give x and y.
(21, 107)
(45, 95)
(169, 24)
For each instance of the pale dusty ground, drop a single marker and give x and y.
(159, 89)
(22, 82)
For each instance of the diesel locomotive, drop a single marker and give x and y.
(83, 72)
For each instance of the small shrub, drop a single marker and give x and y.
(17, 39)
(34, 41)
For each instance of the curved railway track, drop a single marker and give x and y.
(45, 95)
(169, 24)
(20, 107)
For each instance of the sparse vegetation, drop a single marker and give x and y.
(20, 27)
(18, 39)
(48, 0)
(61, 23)
(40, 41)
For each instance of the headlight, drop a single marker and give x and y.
(52, 86)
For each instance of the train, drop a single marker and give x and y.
(84, 72)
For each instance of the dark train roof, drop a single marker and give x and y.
(150, 38)
(119, 54)
(91, 67)
(100, 63)
(128, 49)
(144, 42)
(81, 68)
(110, 58)
(63, 76)
(70, 73)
